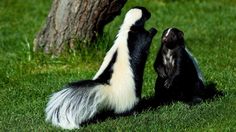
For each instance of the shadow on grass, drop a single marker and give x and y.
(151, 103)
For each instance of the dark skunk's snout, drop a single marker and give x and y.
(165, 40)
(168, 36)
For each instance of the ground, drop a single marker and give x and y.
(27, 79)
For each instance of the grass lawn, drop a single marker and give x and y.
(27, 79)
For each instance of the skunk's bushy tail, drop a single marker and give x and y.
(75, 104)
(211, 91)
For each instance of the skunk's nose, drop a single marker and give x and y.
(164, 40)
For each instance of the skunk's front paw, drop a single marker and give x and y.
(152, 31)
(167, 83)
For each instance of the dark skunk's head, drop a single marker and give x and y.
(136, 18)
(172, 37)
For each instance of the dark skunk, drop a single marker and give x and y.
(179, 77)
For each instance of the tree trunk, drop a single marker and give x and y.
(70, 20)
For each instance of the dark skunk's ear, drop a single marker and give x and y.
(180, 34)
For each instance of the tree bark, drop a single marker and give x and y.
(70, 20)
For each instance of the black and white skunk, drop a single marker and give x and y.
(117, 84)
(179, 77)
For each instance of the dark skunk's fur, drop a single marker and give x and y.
(179, 77)
(116, 86)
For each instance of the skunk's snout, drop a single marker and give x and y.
(148, 14)
(169, 37)
(164, 40)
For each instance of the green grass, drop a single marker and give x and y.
(27, 79)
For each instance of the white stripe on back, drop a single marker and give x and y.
(199, 73)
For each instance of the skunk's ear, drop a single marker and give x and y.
(181, 34)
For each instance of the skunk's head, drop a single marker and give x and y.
(172, 37)
(136, 18)
(138, 37)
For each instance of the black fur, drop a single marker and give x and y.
(138, 54)
(178, 80)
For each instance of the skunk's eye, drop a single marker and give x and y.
(180, 34)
